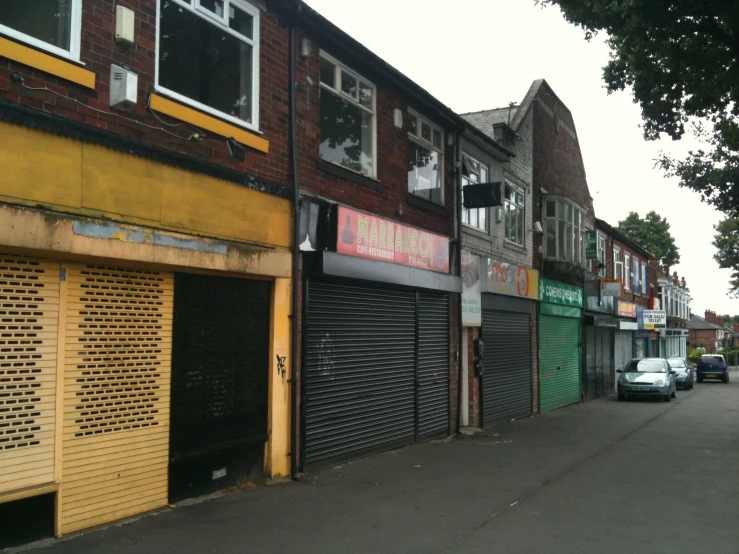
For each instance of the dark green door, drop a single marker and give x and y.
(559, 361)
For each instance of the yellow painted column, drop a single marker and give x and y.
(277, 456)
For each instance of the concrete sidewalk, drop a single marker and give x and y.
(423, 498)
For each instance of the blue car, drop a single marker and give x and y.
(647, 377)
(712, 366)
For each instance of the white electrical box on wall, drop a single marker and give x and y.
(124, 86)
(124, 25)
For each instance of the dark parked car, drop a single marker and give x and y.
(685, 373)
(712, 366)
(647, 377)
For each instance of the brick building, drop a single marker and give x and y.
(707, 333)
(147, 236)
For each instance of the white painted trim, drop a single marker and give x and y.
(336, 89)
(75, 36)
(254, 43)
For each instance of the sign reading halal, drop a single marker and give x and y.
(367, 236)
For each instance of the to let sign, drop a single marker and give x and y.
(654, 319)
(367, 236)
(610, 287)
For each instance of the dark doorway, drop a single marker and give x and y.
(27, 520)
(220, 372)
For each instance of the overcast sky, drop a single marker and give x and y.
(480, 54)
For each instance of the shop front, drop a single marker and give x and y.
(506, 384)
(674, 342)
(599, 327)
(376, 339)
(623, 343)
(559, 325)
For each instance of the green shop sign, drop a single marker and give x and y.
(559, 293)
(591, 245)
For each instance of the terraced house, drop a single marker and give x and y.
(171, 169)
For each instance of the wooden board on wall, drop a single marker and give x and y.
(116, 397)
(29, 323)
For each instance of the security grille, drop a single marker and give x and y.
(117, 380)
(29, 316)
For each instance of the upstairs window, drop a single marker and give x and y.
(618, 267)
(209, 57)
(515, 215)
(565, 232)
(425, 169)
(347, 118)
(52, 25)
(627, 271)
(474, 172)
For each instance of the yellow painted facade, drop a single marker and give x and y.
(71, 176)
(69, 202)
(49, 64)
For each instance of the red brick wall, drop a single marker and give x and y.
(558, 163)
(392, 163)
(632, 295)
(99, 51)
(705, 338)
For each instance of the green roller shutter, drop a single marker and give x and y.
(559, 361)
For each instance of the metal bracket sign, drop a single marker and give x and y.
(591, 245)
(610, 287)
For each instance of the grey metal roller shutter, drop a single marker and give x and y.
(506, 381)
(433, 365)
(359, 371)
(623, 350)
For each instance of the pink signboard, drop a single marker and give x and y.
(368, 236)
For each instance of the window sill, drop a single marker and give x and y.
(209, 123)
(67, 70)
(342, 172)
(514, 246)
(425, 204)
(482, 233)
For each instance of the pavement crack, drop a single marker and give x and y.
(567, 471)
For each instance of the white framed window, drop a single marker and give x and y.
(627, 271)
(514, 204)
(347, 107)
(51, 25)
(618, 266)
(208, 57)
(564, 231)
(425, 159)
(474, 172)
(602, 255)
(635, 275)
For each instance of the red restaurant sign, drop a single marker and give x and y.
(625, 309)
(367, 236)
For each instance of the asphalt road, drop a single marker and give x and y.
(602, 477)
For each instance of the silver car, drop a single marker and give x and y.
(685, 374)
(647, 377)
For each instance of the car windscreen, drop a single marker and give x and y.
(645, 366)
(676, 363)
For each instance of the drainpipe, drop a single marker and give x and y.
(458, 232)
(296, 253)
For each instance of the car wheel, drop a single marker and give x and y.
(700, 379)
(726, 378)
(621, 397)
(668, 397)
(674, 394)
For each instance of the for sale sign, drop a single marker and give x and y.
(653, 319)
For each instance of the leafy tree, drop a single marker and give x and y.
(652, 233)
(726, 242)
(680, 59)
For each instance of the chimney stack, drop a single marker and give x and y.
(736, 327)
(719, 321)
(674, 277)
(685, 286)
(666, 269)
